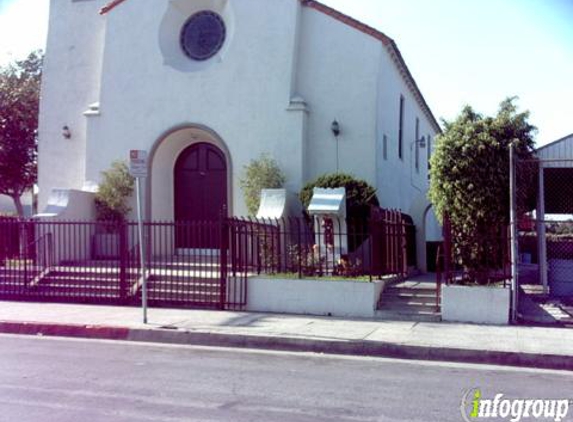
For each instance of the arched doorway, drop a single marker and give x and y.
(433, 236)
(200, 182)
(200, 191)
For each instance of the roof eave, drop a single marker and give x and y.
(111, 5)
(390, 46)
(411, 82)
(555, 142)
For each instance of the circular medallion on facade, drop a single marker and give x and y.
(203, 35)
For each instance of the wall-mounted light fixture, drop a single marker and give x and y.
(66, 133)
(335, 127)
(420, 143)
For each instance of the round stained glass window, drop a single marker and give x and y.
(203, 35)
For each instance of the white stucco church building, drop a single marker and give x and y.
(205, 86)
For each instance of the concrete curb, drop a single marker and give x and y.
(292, 344)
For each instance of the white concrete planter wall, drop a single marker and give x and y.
(313, 297)
(477, 304)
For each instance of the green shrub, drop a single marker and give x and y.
(114, 190)
(359, 194)
(470, 182)
(259, 174)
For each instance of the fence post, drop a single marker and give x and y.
(224, 245)
(3, 241)
(540, 228)
(404, 238)
(383, 249)
(371, 230)
(513, 225)
(23, 248)
(447, 235)
(439, 270)
(298, 254)
(395, 240)
(123, 258)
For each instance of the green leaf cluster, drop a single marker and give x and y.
(470, 178)
(261, 173)
(114, 190)
(359, 194)
(19, 106)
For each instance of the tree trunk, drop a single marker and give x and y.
(18, 204)
(23, 235)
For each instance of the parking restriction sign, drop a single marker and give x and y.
(138, 163)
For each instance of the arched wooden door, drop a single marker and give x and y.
(200, 193)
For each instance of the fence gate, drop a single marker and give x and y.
(393, 246)
(544, 197)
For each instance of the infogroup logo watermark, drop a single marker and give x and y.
(475, 406)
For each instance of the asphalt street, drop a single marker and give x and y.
(71, 380)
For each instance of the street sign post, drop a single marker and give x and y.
(138, 169)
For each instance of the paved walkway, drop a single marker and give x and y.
(511, 345)
(536, 307)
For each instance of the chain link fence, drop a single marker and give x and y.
(544, 201)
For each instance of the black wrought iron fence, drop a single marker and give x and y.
(318, 247)
(198, 263)
(99, 262)
(9, 242)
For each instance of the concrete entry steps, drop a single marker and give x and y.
(413, 299)
(174, 282)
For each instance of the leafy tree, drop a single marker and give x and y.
(114, 190)
(259, 174)
(19, 105)
(359, 194)
(470, 181)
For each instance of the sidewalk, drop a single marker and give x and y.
(510, 345)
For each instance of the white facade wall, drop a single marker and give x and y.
(350, 76)
(337, 77)
(243, 97)
(399, 183)
(284, 74)
(70, 83)
(141, 99)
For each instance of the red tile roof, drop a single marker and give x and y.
(347, 20)
(110, 6)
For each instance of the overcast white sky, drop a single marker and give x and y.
(460, 52)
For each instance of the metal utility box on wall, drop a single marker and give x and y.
(328, 208)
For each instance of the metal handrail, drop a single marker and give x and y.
(50, 249)
(45, 245)
(439, 275)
